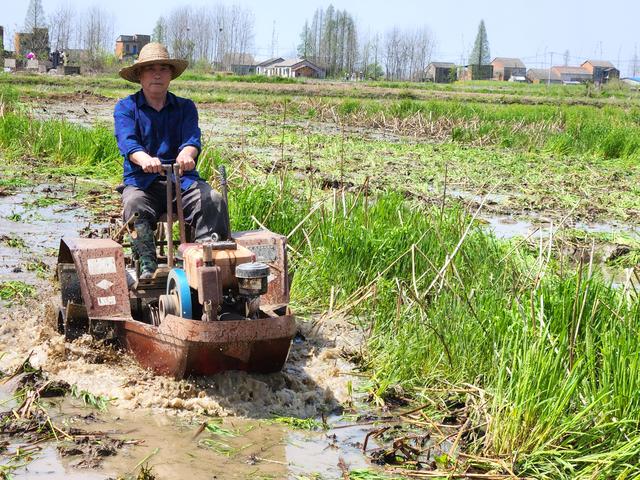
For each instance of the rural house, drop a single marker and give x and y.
(476, 72)
(295, 67)
(441, 72)
(504, 68)
(571, 75)
(239, 63)
(36, 41)
(261, 68)
(602, 71)
(128, 46)
(543, 75)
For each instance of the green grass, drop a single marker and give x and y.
(444, 304)
(208, 77)
(13, 183)
(14, 242)
(67, 146)
(367, 474)
(98, 402)
(606, 188)
(298, 423)
(555, 124)
(555, 355)
(16, 291)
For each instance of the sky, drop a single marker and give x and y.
(536, 31)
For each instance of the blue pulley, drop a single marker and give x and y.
(177, 284)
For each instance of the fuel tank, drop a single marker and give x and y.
(227, 260)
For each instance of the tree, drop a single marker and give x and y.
(35, 17)
(331, 41)
(304, 48)
(179, 32)
(97, 34)
(480, 54)
(221, 35)
(374, 71)
(407, 53)
(160, 31)
(35, 25)
(61, 26)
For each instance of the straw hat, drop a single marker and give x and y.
(149, 54)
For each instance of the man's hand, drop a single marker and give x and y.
(186, 159)
(151, 165)
(148, 163)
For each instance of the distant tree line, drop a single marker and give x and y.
(332, 41)
(90, 30)
(219, 34)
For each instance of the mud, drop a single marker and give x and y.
(314, 382)
(83, 113)
(242, 448)
(29, 232)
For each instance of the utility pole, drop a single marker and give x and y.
(550, 67)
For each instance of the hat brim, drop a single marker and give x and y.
(132, 73)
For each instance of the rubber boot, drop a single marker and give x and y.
(144, 247)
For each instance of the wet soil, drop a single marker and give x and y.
(242, 132)
(241, 449)
(33, 222)
(315, 381)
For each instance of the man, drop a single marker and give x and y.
(153, 128)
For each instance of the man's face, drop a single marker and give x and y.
(155, 78)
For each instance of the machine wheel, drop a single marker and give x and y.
(179, 294)
(72, 319)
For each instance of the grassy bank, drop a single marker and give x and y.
(604, 129)
(550, 359)
(544, 358)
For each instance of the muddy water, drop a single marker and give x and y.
(175, 447)
(39, 218)
(507, 226)
(161, 411)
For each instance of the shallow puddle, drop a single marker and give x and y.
(32, 223)
(176, 447)
(507, 227)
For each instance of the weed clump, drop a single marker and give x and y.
(15, 291)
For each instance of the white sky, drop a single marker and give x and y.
(528, 29)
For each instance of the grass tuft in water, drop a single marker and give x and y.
(299, 423)
(99, 402)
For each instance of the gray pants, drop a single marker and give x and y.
(203, 207)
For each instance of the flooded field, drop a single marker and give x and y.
(434, 266)
(145, 410)
(177, 447)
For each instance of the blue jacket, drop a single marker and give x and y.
(163, 134)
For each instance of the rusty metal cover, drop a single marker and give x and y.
(100, 266)
(269, 248)
(181, 347)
